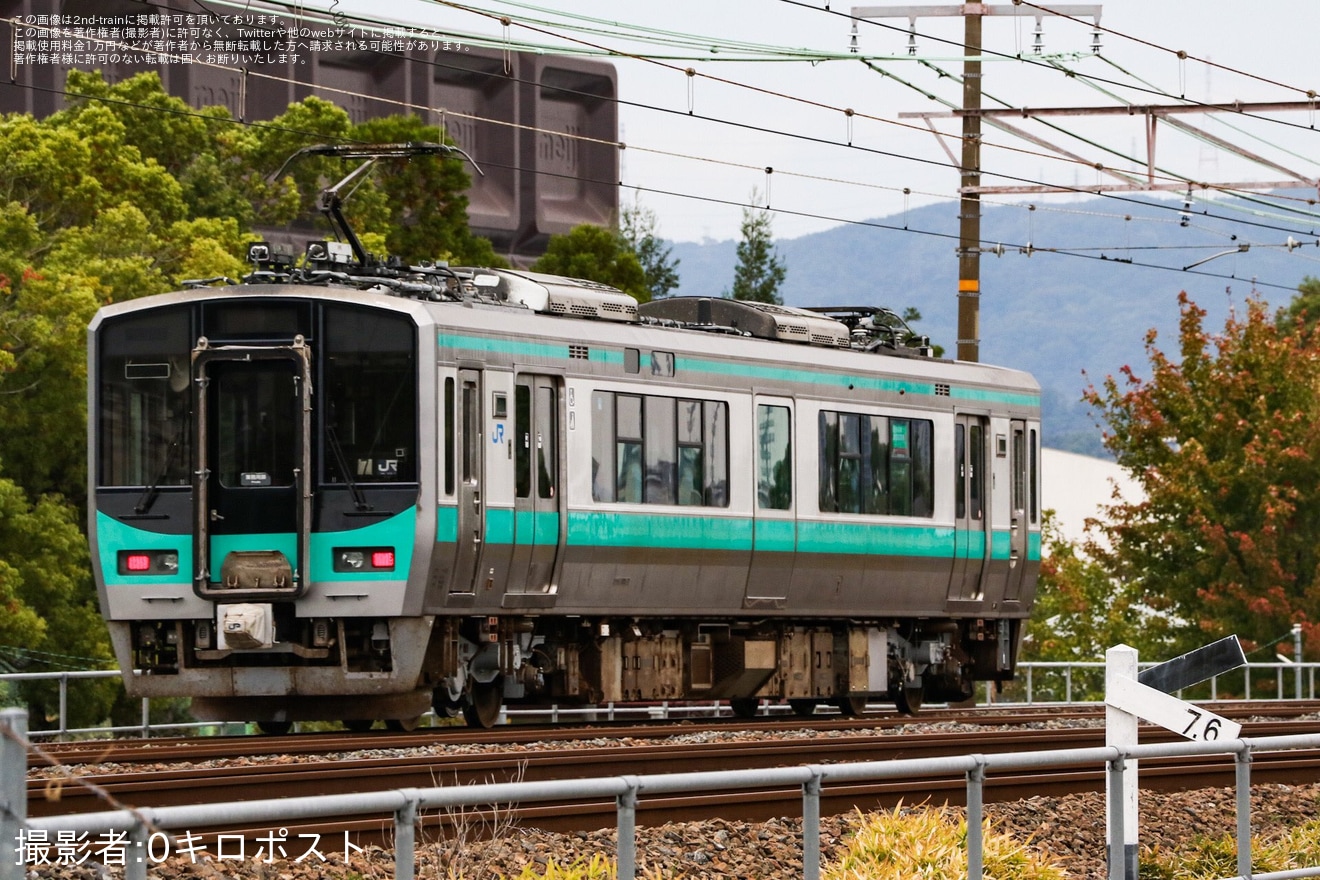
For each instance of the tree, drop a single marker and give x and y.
(1225, 443)
(51, 622)
(637, 227)
(1304, 310)
(759, 272)
(595, 254)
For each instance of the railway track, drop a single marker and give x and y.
(336, 772)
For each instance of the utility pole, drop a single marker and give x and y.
(969, 213)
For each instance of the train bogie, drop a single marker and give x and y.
(481, 488)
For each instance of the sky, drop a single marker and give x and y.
(698, 147)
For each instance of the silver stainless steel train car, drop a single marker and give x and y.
(342, 491)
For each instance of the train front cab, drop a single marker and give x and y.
(255, 503)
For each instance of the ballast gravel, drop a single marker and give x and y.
(1070, 829)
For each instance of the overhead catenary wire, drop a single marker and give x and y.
(759, 128)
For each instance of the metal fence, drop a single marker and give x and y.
(146, 831)
(1038, 683)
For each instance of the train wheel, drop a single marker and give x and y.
(851, 706)
(908, 700)
(803, 707)
(403, 725)
(275, 728)
(358, 725)
(484, 701)
(745, 707)
(443, 705)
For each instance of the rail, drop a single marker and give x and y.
(1038, 683)
(146, 831)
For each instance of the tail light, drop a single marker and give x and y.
(148, 562)
(364, 559)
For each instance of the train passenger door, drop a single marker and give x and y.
(471, 465)
(538, 497)
(971, 475)
(253, 443)
(1021, 449)
(774, 516)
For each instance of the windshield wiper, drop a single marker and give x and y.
(359, 500)
(152, 491)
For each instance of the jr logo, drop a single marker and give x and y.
(498, 438)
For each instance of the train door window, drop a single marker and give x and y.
(774, 463)
(1035, 473)
(661, 450)
(628, 448)
(522, 441)
(1019, 469)
(602, 446)
(959, 471)
(547, 442)
(976, 470)
(632, 360)
(448, 418)
(256, 402)
(471, 431)
(716, 434)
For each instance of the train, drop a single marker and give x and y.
(351, 489)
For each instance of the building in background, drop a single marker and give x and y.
(542, 128)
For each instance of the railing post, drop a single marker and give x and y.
(136, 854)
(1029, 685)
(1117, 824)
(405, 841)
(811, 826)
(13, 791)
(975, 813)
(627, 830)
(1067, 679)
(146, 718)
(64, 705)
(1243, 773)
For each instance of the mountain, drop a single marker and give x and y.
(1068, 320)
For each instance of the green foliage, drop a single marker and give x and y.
(1303, 313)
(1224, 441)
(932, 844)
(595, 254)
(1210, 858)
(638, 228)
(760, 272)
(1081, 612)
(598, 867)
(44, 573)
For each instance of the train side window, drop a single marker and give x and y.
(661, 450)
(922, 438)
(602, 446)
(628, 448)
(662, 363)
(632, 360)
(774, 463)
(716, 434)
(850, 463)
(875, 477)
(829, 461)
(691, 460)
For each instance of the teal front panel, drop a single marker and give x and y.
(113, 536)
(399, 532)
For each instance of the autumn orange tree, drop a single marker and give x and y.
(1224, 439)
